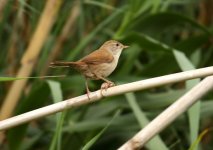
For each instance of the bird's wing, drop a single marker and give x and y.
(97, 57)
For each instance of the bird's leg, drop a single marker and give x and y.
(87, 88)
(107, 83)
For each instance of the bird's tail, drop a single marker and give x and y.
(62, 64)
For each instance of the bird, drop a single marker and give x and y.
(97, 65)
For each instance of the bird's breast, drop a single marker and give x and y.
(105, 69)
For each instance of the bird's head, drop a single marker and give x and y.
(114, 47)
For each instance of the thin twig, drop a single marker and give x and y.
(95, 96)
(169, 115)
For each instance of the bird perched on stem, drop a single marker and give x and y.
(97, 65)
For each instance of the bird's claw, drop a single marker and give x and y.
(107, 85)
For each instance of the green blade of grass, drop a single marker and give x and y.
(194, 111)
(95, 138)
(200, 137)
(3, 79)
(56, 91)
(100, 4)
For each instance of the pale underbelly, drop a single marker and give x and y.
(102, 70)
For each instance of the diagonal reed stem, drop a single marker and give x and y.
(169, 115)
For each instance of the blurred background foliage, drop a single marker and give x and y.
(165, 36)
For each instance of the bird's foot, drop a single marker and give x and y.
(107, 85)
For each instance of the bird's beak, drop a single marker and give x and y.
(125, 46)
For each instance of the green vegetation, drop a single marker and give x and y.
(164, 36)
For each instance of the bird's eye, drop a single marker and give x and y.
(117, 44)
